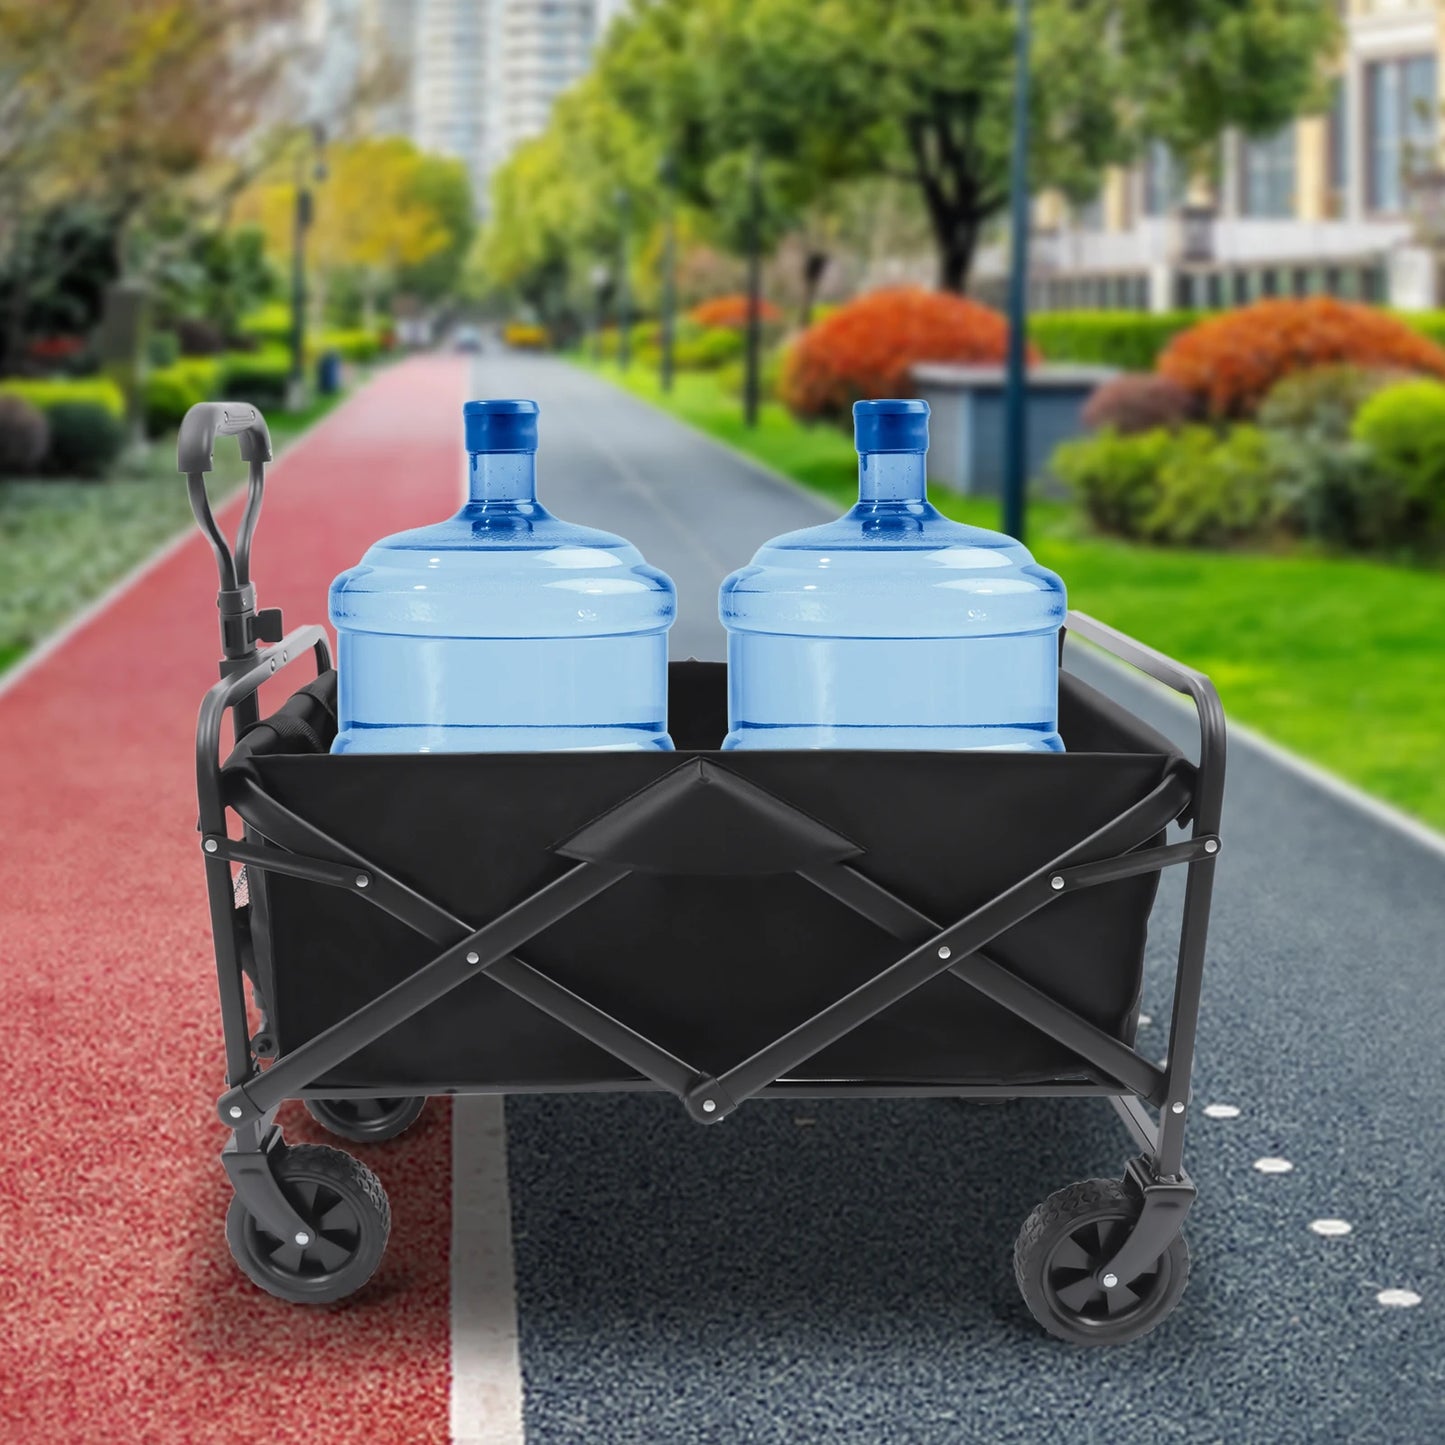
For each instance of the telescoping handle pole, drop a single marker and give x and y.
(242, 626)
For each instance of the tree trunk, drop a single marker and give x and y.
(957, 238)
(815, 263)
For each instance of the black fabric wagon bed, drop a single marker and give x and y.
(711, 966)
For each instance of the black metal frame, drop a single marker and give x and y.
(630, 835)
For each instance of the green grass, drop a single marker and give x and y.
(1340, 660)
(63, 542)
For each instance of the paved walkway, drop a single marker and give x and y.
(814, 1273)
(841, 1272)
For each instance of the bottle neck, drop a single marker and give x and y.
(892, 477)
(502, 478)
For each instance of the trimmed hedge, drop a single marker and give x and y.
(93, 391)
(1403, 428)
(1130, 340)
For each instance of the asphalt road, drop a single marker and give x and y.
(841, 1272)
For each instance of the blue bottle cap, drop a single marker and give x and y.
(894, 424)
(501, 426)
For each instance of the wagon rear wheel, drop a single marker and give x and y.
(366, 1121)
(1058, 1262)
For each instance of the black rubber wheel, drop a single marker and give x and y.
(1060, 1251)
(350, 1219)
(366, 1121)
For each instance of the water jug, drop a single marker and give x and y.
(503, 629)
(893, 627)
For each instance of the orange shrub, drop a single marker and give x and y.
(867, 347)
(731, 312)
(1231, 361)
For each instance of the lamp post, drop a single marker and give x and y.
(305, 214)
(755, 289)
(669, 270)
(601, 283)
(624, 299)
(1016, 436)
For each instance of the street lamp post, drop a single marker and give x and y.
(624, 298)
(601, 283)
(1016, 436)
(304, 216)
(755, 290)
(669, 270)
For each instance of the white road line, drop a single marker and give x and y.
(486, 1391)
(1273, 1166)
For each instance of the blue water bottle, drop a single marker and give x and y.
(503, 629)
(893, 627)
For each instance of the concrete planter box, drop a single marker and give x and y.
(966, 430)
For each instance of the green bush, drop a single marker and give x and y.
(93, 391)
(1322, 401)
(708, 350)
(171, 391)
(85, 438)
(1116, 478)
(1217, 488)
(260, 377)
(1337, 493)
(163, 348)
(732, 377)
(1403, 428)
(24, 436)
(269, 325)
(1130, 340)
(1189, 486)
(357, 344)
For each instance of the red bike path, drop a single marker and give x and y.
(122, 1317)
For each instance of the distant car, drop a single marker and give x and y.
(467, 338)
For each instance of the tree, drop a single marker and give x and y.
(443, 186)
(923, 89)
(384, 209)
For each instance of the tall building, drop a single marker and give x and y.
(1331, 203)
(485, 73)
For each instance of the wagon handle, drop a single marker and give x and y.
(1209, 804)
(241, 625)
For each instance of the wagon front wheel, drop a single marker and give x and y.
(1059, 1258)
(347, 1219)
(366, 1121)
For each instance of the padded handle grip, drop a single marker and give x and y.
(196, 445)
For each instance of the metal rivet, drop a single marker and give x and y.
(709, 1106)
(273, 664)
(945, 952)
(1110, 1280)
(303, 1239)
(474, 958)
(211, 845)
(1178, 1108)
(1211, 845)
(235, 1111)
(362, 880)
(1056, 882)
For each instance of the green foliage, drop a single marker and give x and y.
(85, 438)
(1116, 478)
(359, 344)
(444, 186)
(268, 325)
(162, 348)
(24, 436)
(709, 349)
(171, 391)
(1321, 402)
(1215, 489)
(1130, 340)
(93, 391)
(260, 377)
(1193, 486)
(732, 378)
(1403, 427)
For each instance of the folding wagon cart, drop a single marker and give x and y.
(719, 926)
